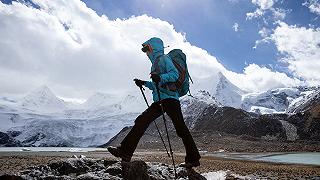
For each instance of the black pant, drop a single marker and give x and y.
(173, 109)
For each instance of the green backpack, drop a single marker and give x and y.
(180, 62)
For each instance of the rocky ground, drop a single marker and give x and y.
(87, 168)
(97, 164)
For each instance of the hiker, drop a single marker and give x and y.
(170, 102)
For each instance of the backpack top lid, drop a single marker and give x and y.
(176, 54)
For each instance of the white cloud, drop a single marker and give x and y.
(68, 47)
(235, 27)
(257, 13)
(92, 54)
(302, 49)
(264, 4)
(265, 34)
(256, 78)
(278, 13)
(313, 5)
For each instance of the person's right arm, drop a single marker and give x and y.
(150, 85)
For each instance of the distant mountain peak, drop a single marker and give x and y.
(227, 93)
(100, 99)
(42, 99)
(43, 91)
(221, 76)
(224, 83)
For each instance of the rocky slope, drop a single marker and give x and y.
(232, 129)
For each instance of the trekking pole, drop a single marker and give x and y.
(165, 124)
(145, 99)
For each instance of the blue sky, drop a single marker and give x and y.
(208, 25)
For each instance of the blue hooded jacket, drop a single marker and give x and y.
(168, 72)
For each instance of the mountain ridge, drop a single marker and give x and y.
(107, 114)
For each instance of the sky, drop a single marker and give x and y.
(220, 27)
(81, 47)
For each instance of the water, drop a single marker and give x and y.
(307, 158)
(295, 158)
(49, 149)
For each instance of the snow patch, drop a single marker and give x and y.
(217, 175)
(263, 110)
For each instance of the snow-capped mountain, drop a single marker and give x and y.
(133, 103)
(121, 103)
(42, 119)
(227, 93)
(91, 124)
(277, 100)
(193, 106)
(42, 100)
(99, 100)
(308, 97)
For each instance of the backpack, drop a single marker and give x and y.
(180, 62)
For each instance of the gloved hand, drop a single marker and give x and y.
(139, 82)
(155, 78)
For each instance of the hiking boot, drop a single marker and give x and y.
(190, 165)
(117, 152)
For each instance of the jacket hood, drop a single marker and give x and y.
(157, 48)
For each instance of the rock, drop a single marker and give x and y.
(7, 140)
(14, 133)
(135, 170)
(114, 169)
(10, 177)
(92, 169)
(4, 138)
(70, 166)
(108, 163)
(190, 173)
